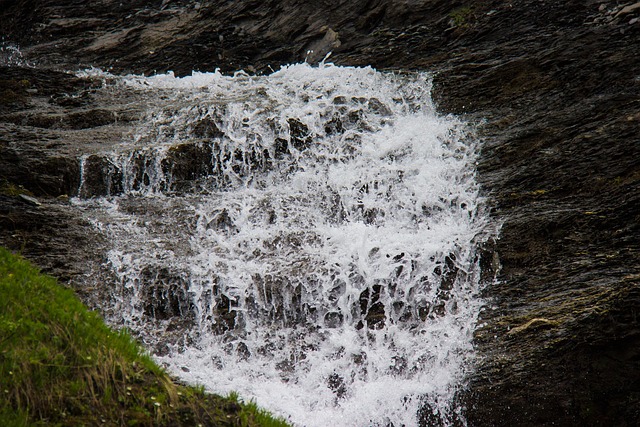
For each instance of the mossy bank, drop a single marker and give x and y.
(61, 365)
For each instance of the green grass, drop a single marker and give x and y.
(61, 365)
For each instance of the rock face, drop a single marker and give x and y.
(553, 85)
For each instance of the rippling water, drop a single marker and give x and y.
(307, 239)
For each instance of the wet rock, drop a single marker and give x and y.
(101, 177)
(333, 320)
(378, 107)
(336, 383)
(76, 120)
(317, 50)
(223, 223)
(13, 94)
(186, 163)
(299, 134)
(242, 351)
(166, 294)
(552, 85)
(207, 128)
(629, 9)
(43, 136)
(53, 234)
(371, 308)
(225, 317)
(30, 200)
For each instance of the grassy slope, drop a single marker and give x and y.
(61, 365)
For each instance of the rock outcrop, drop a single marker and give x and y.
(553, 86)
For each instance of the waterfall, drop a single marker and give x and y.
(307, 239)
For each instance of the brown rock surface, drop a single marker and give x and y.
(554, 87)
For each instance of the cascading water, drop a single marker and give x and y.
(306, 239)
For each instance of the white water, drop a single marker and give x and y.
(11, 55)
(325, 182)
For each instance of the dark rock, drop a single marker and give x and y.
(223, 223)
(299, 134)
(242, 351)
(52, 233)
(30, 200)
(166, 294)
(333, 319)
(101, 177)
(553, 86)
(337, 385)
(371, 308)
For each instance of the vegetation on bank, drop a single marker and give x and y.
(61, 365)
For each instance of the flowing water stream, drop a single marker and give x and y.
(307, 239)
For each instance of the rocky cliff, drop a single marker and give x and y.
(554, 87)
